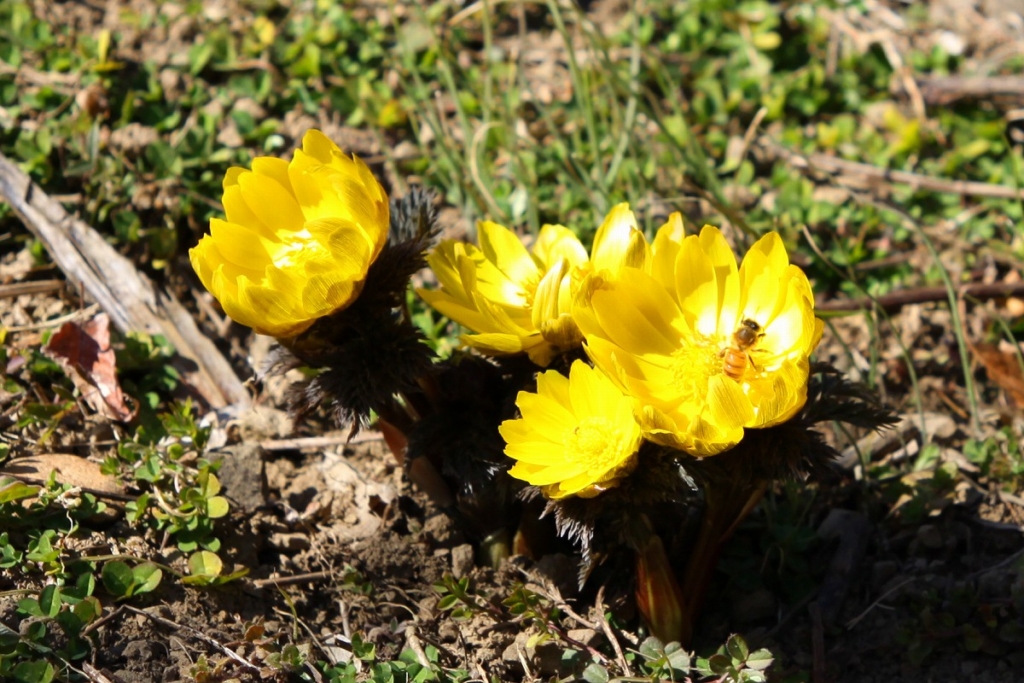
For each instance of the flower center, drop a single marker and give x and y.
(695, 362)
(594, 444)
(292, 248)
(528, 290)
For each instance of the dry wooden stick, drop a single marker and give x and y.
(316, 442)
(310, 577)
(127, 295)
(918, 295)
(875, 176)
(943, 90)
(31, 287)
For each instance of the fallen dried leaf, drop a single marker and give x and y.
(85, 354)
(1003, 368)
(70, 469)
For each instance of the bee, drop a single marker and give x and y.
(736, 356)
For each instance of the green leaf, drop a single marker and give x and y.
(118, 579)
(595, 673)
(719, 664)
(652, 648)
(217, 507)
(146, 577)
(678, 658)
(30, 606)
(199, 56)
(205, 563)
(760, 660)
(88, 609)
(49, 601)
(737, 648)
(12, 490)
(70, 622)
(37, 671)
(364, 651)
(382, 673)
(208, 483)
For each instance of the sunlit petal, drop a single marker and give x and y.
(577, 434)
(281, 261)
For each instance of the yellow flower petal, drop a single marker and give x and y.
(502, 289)
(697, 287)
(545, 299)
(556, 242)
(238, 212)
(299, 239)
(576, 435)
(723, 261)
(637, 314)
(504, 249)
(274, 168)
(619, 243)
(664, 250)
(727, 405)
(271, 202)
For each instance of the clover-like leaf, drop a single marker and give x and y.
(205, 563)
(118, 579)
(146, 577)
(217, 507)
(49, 600)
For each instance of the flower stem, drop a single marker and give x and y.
(727, 504)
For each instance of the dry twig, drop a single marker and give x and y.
(610, 635)
(32, 287)
(196, 634)
(874, 177)
(919, 295)
(292, 580)
(944, 90)
(124, 293)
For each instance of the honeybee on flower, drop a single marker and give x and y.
(680, 338)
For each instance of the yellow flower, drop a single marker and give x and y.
(577, 435)
(672, 343)
(516, 300)
(298, 240)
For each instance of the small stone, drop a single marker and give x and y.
(516, 649)
(290, 542)
(462, 560)
(243, 475)
(837, 522)
(440, 531)
(930, 537)
(140, 650)
(229, 136)
(587, 636)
